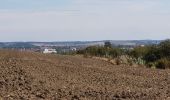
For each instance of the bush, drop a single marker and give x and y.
(150, 65)
(153, 54)
(101, 51)
(139, 52)
(115, 52)
(130, 61)
(163, 64)
(107, 44)
(165, 48)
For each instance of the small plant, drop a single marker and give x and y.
(130, 61)
(150, 65)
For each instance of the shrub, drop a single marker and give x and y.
(115, 52)
(139, 52)
(150, 65)
(163, 63)
(107, 44)
(165, 48)
(130, 61)
(153, 54)
(101, 51)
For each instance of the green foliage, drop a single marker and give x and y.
(139, 52)
(101, 51)
(165, 48)
(163, 63)
(115, 52)
(154, 56)
(108, 45)
(130, 61)
(151, 65)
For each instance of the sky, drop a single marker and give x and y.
(84, 20)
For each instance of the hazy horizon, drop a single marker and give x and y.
(84, 20)
(87, 40)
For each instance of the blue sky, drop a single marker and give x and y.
(69, 20)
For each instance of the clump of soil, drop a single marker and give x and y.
(35, 76)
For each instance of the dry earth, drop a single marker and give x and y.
(34, 76)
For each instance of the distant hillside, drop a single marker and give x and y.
(76, 43)
(16, 45)
(135, 42)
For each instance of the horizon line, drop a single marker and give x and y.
(88, 40)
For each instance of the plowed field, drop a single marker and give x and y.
(35, 76)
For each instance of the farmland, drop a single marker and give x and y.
(35, 76)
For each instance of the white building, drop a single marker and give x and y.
(73, 49)
(49, 51)
(142, 45)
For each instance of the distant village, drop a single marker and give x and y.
(66, 47)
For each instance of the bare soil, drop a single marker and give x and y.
(35, 76)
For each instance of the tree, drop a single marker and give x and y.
(165, 48)
(139, 52)
(153, 54)
(115, 52)
(108, 44)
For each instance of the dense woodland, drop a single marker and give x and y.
(153, 56)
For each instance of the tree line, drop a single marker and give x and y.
(156, 56)
(102, 51)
